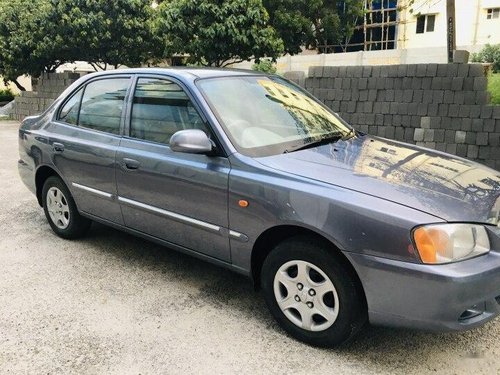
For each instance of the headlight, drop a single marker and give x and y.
(445, 243)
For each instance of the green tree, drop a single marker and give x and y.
(314, 23)
(105, 32)
(217, 32)
(39, 35)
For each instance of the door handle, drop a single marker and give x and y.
(58, 147)
(131, 163)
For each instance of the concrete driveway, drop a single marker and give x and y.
(112, 303)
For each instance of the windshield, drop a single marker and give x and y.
(267, 115)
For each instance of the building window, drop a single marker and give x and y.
(426, 23)
(492, 13)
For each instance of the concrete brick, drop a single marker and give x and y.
(426, 83)
(408, 136)
(475, 111)
(403, 108)
(390, 132)
(446, 83)
(468, 83)
(381, 131)
(389, 95)
(438, 96)
(457, 83)
(496, 112)
(417, 96)
(418, 135)
(472, 151)
(459, 97)
(484, 152)
(402, 69)
(439, 135)
(494, 139)
(460, 136)
(412, 108)
(464, 111)
(477, 125)
(486, 111)
(421, 70)
(381, 83)
(480, 83)
(372, 95)
(363, 95)
(476, 70)
(489, 125)
(443, 109)
(372, 83)
(463, 70)
(432, 109)
(362, 83)
(470, 138)
(451, 149)
(367, 71)
(482, 97)
(422, 109)
(482, 139)
(408, 96)
(428, 135)
(442, 70)
(453, 110)
(452, 70)
(449, 136)
(448, 96)
(462, 150)
(425, 122)
(431, 70)
(379, 119)
(437, 83)
(412, 70)
(394, 108)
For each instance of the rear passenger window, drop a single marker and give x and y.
(102, 104)
(69, 112)
(160, 109)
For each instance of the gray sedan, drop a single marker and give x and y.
(251, 172)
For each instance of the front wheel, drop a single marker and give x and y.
(60, 210)
(311, 293)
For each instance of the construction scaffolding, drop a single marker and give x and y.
(377, 30)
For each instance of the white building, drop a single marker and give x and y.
(477, 24)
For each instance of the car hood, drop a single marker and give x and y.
(448, 187)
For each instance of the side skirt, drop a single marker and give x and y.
(170, 245)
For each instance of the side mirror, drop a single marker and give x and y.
(193, 141)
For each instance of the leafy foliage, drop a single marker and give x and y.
(217, 32)
(489, 54)
(314, 23)
(265, 66)
(40, 35)
(6, 95)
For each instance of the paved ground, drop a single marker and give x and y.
(111, 303)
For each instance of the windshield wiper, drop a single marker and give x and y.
(319, 142)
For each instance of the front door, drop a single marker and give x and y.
(178, 197)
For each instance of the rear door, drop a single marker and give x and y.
(85, 137)
(178, 197)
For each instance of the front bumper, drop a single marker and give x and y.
(430, 297)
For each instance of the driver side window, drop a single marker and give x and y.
(161, 108)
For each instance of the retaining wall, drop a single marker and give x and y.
(440, 106)
(45, 90)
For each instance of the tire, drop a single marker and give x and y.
(60, 210)
(329, 315)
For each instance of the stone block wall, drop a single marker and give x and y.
(440, 106)
(45, 90)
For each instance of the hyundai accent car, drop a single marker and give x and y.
(252, 173)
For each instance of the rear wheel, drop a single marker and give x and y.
(60, 210)
(311, 294)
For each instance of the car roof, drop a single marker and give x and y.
(184, 72)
